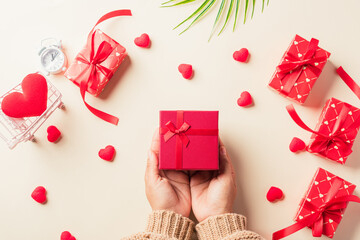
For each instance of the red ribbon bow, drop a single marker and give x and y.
(172, 131)
(331, 208)
(322, 142)
(94, 65)
(295, 64)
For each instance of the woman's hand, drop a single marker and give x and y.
(166, 189)
(214, 192)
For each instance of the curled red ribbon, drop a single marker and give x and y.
(332, 208)
(322, 142)
(94, 65)
(295, 65)
(170, 130)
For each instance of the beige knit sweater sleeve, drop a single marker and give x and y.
(166, 225)
(229, 226)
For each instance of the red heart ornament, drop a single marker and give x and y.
(32, 102)
(241, 55)
(297, 145)
(245, 99)
(274, 194)
(67, 236)
(186, 70)
(39, 194)
(142, 41)
(107, 153)
(53, 134)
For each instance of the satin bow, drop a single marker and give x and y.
(95, 60)
(172, 131)
(295, 64)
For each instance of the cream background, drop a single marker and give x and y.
(95, 199)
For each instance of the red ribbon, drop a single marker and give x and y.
(294, 65)
(94, 65)
(181, 135)
(322, 142)
(349, 81)
(331, 208)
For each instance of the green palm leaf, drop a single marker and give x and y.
(221, 8)
(246, 8)
(252, 14)
(168, 2)
(179, 3)
(231, 7)
(194, 13)
(236, 12)
(200, 15)
(206, 5)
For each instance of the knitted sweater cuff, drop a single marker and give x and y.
(170, 224)
(221, 226)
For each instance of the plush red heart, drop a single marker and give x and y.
(67, 236)
(53, 134)
(274, 194)
(297, 145)
(107, 153)
(186, 70)
(241, 55)
(245, 99)
(32, 102)
(142, 41)
(39, 194)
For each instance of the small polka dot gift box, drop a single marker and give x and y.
(189, 140)
(337, 128)
(323, 206)
(96, 63)
(299, 68)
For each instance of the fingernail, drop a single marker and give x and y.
(223, 150)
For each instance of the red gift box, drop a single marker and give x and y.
(337, 128)
(323, 205)
(81, 69)
(96, 63)
(337, 119)
(299, 69)
(189, 140)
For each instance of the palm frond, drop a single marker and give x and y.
(194, 13)
(200, 15)
(179, 3)
(231, 7)
(221, 8)
(246, 8)
(253, 9)
(236, 13)
(206, 5)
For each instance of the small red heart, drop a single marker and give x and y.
(53, 134)
(241, 55)
(39, 194)
(142, 41)
(107, 153)
(186, 70)
(297, 145)
(274, 194)
(245, 99)
(32, 102)
(67, 236)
